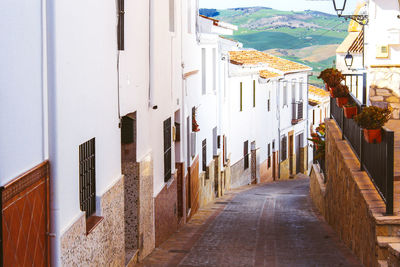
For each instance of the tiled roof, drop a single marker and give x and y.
(252, 57)
(358, 45)
(313, 102)
(268, 74)
(316, 92)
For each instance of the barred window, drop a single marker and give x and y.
(87, 177)
(284, 148)
(167, 150)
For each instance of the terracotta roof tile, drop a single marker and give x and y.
(252, 57)
(265, 74)
(316, 92)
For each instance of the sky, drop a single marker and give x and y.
(295, 5)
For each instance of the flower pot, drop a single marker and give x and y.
(341, 101)
(350, 112)
(373, 136)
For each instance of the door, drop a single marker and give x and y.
(291, 154)
(25, 219)
(253, 162)
(298, 165)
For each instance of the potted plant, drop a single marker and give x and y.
(341, 93)
(195, 125)
(331, 77)
(318, 138)
(350, 110)
(371, 119)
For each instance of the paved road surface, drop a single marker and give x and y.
(266, 225)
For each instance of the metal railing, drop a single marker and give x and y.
(357, 85)
(376, 159)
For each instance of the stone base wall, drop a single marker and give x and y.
(105, 245)
(303, 160)
(226, 177)
(348, 200)
(146, 207)
(240, 176)
(384, 97)
(166, 212)
(131, 204)
(284, 169)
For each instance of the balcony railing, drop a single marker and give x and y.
(357, 84)
(297, 112)
(376, 159)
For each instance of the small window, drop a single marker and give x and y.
(246, 154)
(284, 100)
(254, 93)
(189, 16)
(269, 101)
(241, 96)
(167, 150)
(87, 177)
(301, 86)
(283, 148)
(273, 145)
(204, 155)
(269, 156)
(203, 71)
(172, 15)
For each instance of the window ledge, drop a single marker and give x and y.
(92, 222)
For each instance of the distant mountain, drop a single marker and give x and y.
(309, 37)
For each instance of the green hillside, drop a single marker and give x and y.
(308, 37)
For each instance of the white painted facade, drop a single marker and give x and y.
(23, 104)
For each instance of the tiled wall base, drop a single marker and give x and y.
(265, 172)
(146, 207)
(166, 212)
(105, 246)
(284, 170)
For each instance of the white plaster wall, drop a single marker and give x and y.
(383, 29)
(83, 100)
(134, 72)
(165, 80)
(21, 88)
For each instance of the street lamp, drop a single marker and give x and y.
(348, 59)
(340, 5)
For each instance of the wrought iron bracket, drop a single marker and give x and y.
(360, 19)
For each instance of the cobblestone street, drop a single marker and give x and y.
(264, 225)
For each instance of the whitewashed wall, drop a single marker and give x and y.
(22, 88)
(83, 96)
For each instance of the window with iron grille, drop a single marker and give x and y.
(283, 148)
(204, 155)
(87, 177)
(269, 155)
(167, 150)
(246, 154)
(121, 25)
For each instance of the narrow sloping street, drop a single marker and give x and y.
(266, 225)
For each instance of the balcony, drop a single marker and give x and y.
(297, 112)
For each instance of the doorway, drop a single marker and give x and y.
(299, 145)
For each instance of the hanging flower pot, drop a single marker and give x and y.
(373, 136)
(350, 111)
(341, 101)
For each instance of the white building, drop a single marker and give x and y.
(318, 111)
(253, 127)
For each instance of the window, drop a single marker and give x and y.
(273, 145)
(269, 101)
(204, 155)
(189, 16)
(172, 15)
(203, 71)
(167, 150)
(246, 154)
(284, 100)
(241, 96)
(313, 116)
(269, 156)
(294, 91)
(254, 93)
(214, 51)
(121, 25)
(87, 177)
(301, 86)
(283, 148)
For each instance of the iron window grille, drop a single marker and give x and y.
(87, 177)
(204, 155)
(246, 154)
(167, 150)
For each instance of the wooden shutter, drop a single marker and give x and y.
(121, 25)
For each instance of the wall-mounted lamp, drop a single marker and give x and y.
(348, 60)
(340, 5)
